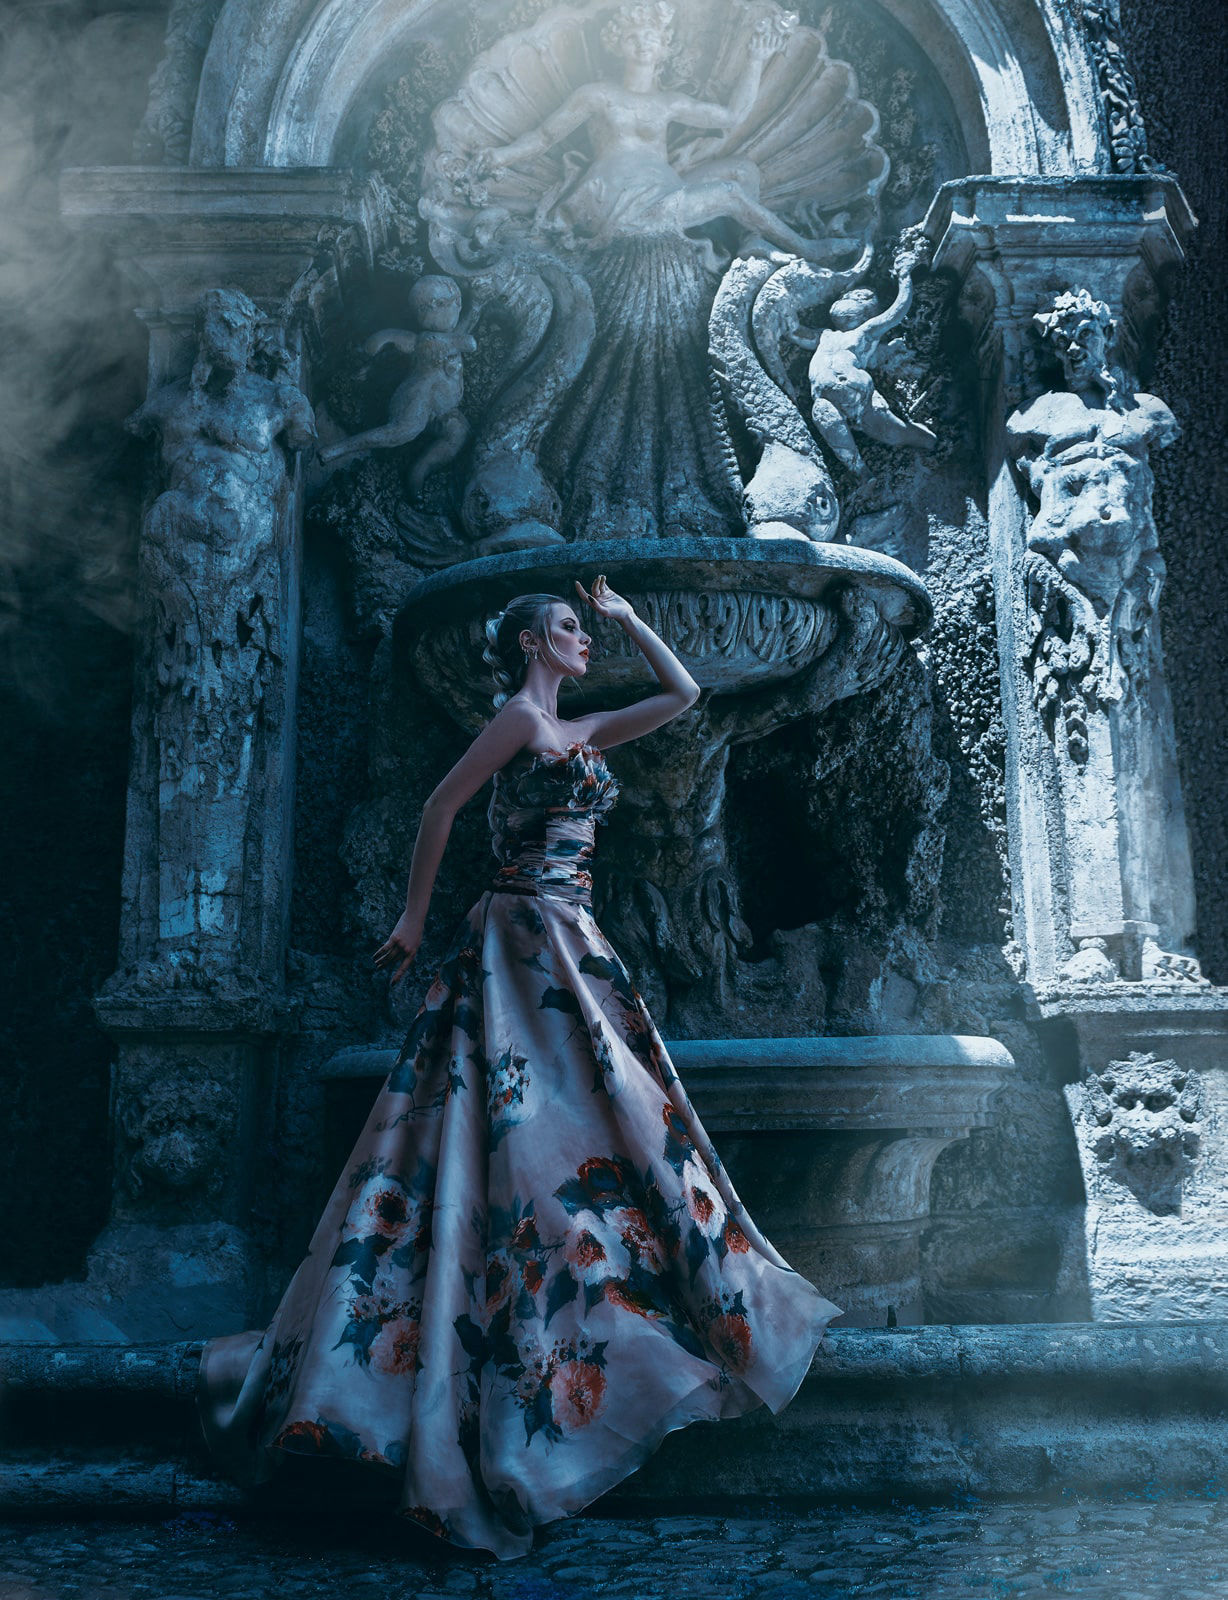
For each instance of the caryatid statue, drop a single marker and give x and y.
(1093, 571)
(210, 565)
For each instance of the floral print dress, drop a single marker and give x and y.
(534, 1266)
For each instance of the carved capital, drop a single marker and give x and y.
(1013, 244)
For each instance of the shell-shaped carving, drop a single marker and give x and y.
(807, 132)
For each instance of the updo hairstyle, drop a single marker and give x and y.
(503, 654)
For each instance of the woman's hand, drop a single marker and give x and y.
(605, 602)
(401, 944)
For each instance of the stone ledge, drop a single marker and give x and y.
(997, 1411)
(878, 1082)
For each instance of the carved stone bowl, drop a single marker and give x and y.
(739, 613)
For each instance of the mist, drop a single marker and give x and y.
(72, 87)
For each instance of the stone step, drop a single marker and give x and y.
(934, 1411)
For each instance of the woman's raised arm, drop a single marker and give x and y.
(679, 690)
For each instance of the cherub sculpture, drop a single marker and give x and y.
(428, 398)
(844, 396)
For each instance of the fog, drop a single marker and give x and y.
(72, 87)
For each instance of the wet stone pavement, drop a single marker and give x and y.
(1170, 1546)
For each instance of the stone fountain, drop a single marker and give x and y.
(649, 426)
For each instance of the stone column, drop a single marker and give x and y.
(1061, 283)
(224, 265)
(1100, 864)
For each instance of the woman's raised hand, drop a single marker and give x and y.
(400, 945)
(604, 601)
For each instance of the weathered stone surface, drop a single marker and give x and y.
(1161, 1546)
(936, 1411)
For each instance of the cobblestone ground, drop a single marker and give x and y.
(1171, 1547)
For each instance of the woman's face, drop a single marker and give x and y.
(568, 640)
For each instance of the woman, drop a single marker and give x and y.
(533, 1267)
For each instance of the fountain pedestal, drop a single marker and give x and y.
(830, 1143)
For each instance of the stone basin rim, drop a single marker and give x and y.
(785, 567)
(901, 1052)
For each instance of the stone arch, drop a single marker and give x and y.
(280, 77)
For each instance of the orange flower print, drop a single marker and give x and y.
(735, 1239)
(500, 1279)
(603, 1177)
(577, 1392)
(395, 1346)
(594, 1251)
(382, 1208)
(525, 1235)
(534, 1275)
(426, 1518)
(637, 1235)
(619, 1294)
(302, 1436)
(703, 1200)
(729, 1336)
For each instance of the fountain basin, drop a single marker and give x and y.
(740, 613)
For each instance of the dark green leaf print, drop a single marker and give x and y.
(560, 1000)
(360, 1332)
(696, 1250)
(539, 1415)
(362, 1258)
(473, 1340)
(600, 967)
(563, 1290)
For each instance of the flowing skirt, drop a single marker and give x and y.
(533, 1267)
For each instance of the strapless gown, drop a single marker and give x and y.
(533, 1266)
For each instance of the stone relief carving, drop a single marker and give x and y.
(1141, 1120)
(756, 311)
(508, 502)
(165, 133)
(789, 494)
(631, 187)
(176, 1131)
(209, 565)
(843, 394)
(646, 186)
(427, 401)
(1092, 573)
(1118, 91)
